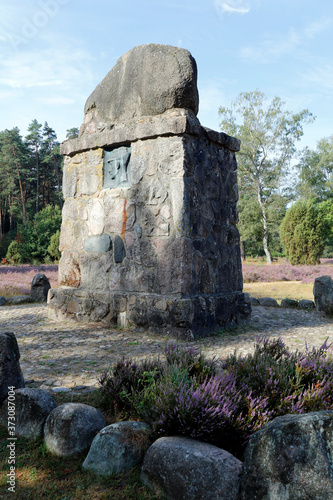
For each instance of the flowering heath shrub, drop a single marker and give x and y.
(16, 280)
(253, 273)
(221, 402)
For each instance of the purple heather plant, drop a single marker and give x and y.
(16, 280)
(253, 273)
(222, 404)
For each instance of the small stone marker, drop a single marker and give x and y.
(39, 287)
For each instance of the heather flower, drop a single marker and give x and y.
(253, 273)
(223, 405)
(16, 280)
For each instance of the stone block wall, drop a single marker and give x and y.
(164, 251)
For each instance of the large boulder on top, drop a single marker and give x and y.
(323, 294)
(10, 371)
(146, 81)
(290, 458)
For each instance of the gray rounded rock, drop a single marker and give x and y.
(70, 428)
(268, 302)
(290, 458)
(2, 301)
(306, 304)
(254, 301)
(32, 407)
(99, 244)
(20, 299)
(178, 467)
(289, 303)
(117, 448)
(146, 81)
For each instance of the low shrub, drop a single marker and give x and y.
(224, 402)
(255, 273)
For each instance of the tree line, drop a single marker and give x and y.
(30, 182)
(285, 195)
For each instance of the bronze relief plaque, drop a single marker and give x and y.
(117, 168)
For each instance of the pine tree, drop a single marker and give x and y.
(303, 233)
(34, 140)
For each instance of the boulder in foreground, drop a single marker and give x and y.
(182, 468)
(290, 458)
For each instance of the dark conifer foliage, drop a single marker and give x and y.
(30, 178)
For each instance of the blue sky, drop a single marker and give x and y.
(53, 53)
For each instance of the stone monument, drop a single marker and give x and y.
(149, 236)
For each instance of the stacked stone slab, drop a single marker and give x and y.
(149, 234)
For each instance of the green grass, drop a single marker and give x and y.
(39, 474)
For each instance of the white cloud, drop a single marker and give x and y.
(232, 6)
(321, 75)
(316, 27)
(57, 100)
(268, 49)
(50, 67)
(280, 44)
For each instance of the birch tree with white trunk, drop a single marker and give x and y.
(268, 135)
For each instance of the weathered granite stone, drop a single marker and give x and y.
(119, 252)
(10, 371)
(70, 428)
(306, 304)
(290, 458)
(20, 299)
(268, 302)
(146, 81)
(32, 407)
(177, 467)
(69, 183)
(289, 303)
(117, 448)
(69, 270)
(96, 218)
(323, 294)
(92, 271)
(66, 237)
(119, 214)
(254, 301)
(173, 122)
(39, 287)
(99, 244)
